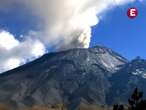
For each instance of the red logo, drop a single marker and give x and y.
(132, 13)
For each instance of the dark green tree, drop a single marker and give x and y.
(136, 102)
(118, 107)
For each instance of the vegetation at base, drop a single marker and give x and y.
(136, 102)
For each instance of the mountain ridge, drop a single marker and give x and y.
(47, 55)
(72, 77)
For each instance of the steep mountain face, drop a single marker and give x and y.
(132, 75)
(94, 76)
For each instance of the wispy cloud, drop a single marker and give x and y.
(13, 53)
(66, 24)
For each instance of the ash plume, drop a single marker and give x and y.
(67, 23)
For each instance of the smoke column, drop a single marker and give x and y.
(64, 24)
(67, 23)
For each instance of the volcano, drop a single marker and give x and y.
(96, 76)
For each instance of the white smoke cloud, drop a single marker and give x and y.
(14, 53)
(7, 41)
(65, 24)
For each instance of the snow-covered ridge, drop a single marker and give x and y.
(109, 59)
(138, 67)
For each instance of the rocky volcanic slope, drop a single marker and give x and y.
(132, 75)
(94, 76)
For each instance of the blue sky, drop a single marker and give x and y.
(115, 30)
(29, 29)
(125, 36)
(17, 20)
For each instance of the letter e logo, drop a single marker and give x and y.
(132, 13)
